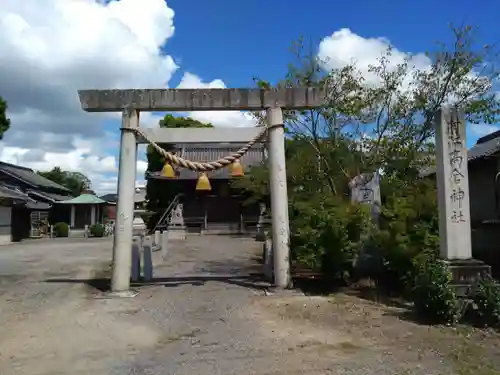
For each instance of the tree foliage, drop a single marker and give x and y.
(75, 181)
(170, 121)
(380, 122)
(391, 115)
(4, 120)
(386, 121)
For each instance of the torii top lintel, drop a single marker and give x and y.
(200, 99)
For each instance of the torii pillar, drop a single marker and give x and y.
(131, 102)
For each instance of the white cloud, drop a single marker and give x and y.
(49, 49)
(150, 119)
(217, 118)
(344, 47)
(101, 170)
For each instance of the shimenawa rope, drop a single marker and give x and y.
(202, 166)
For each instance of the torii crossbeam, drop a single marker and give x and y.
(131, 102)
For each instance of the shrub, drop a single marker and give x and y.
(408, 225)
(61, 229)
(327, 236)
(432, 292)
(486, 298)
(97, 230)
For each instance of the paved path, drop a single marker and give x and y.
(194, 319)
(201, 316)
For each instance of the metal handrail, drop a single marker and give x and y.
(168, 211)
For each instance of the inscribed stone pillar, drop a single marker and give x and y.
(365, 189)
(453, 185)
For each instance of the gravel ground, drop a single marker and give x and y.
(201, 315)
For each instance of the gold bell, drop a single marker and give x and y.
(236, 169)
(203, 183)
(168, 171)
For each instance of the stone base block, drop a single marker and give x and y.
(268, 259)
(466, 273)
(176, 233)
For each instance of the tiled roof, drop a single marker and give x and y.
(110, 198)
(85, 199)
(211, 152)
(139, 197)
(8, 193)
(28, 176)
(51, 197)
(485, 146)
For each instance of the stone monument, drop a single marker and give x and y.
(453, 200)
(176, 228)
(365, 188)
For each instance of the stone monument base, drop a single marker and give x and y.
(466, 273)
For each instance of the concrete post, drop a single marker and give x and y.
(157, 239)
(279, 198)
(136, 262)
(92, 214)
(268, 259)
(453, 185)
(86, 231)
(147, 257)
(205, 215)
(164, 245)
(261, 236)
(72, 216)
(122, 244)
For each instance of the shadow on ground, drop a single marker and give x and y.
(373, 294)
(229, 267)
(104, 284)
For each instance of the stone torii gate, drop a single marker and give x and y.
(132, 102)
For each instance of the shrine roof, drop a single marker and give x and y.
(488, 145)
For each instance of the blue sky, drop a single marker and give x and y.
(236, 40)
(215, 43)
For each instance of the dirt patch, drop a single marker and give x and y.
(98, 332)
(49, 326)
(349, 326)
(171, 338)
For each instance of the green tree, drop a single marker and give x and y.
(159, 194)
(366, 127)
(4, 120)
(391, 123)
(78, 183)
(75, 181)
(305, 173)
(170, 121)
